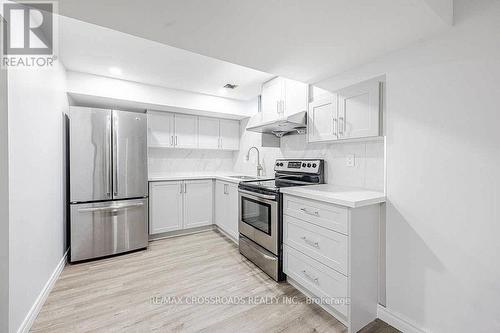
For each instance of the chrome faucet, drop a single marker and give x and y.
(259, 166)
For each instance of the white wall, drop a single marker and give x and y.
(368, 171)
(37, 103)
(4, 204)
(443, 157)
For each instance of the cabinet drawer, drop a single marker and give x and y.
(326, 246)
(319, 279)
(328, 216)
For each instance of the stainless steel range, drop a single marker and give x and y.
(261, 212)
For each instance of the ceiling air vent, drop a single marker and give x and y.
(230, 86)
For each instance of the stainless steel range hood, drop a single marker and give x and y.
(295, 123)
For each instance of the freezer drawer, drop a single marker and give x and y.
(106, 228)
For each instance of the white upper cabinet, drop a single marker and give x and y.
(359, 110)
(186, 131)
(295, 96)
(169, 130)
(272, 92)
(283, 97)
(350, 113)
(161, 129)
(229, 134)
(208, 133)
(322, 119)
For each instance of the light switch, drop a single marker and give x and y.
(350, 160)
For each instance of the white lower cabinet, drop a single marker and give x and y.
(177, 205)
(331, 254)
(319, 279)
(327, 246)
(198, 203)
(226, 207)
(165, 207)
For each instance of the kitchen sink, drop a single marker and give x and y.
(243, 177)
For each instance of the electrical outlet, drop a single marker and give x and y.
(350, 160)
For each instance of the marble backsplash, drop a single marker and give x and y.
(367, 172)
(368, 169)
(167, 161)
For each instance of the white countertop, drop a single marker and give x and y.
(224, 176)
(344, 196)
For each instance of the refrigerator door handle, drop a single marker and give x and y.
(108, 154)
(115, 154)
(110, 208)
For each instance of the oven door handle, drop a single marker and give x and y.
(259, 195)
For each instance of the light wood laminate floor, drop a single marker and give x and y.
(114, 295)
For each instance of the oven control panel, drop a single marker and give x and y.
(299, 165)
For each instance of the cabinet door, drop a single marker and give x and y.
(359, 110)
(232, 211)
(272, 92)
(322, 123)
(160, 129)
(296, 97)
(186, 131)
(165, 207)
(220, 204)
(198, 204)
(208, 133)
(229, 134)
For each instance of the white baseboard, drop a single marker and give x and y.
(222, 231)
(398, 321)
(183, 232)
(42, 297)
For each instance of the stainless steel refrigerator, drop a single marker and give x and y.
(108, 182)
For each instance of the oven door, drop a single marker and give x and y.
(259, 219)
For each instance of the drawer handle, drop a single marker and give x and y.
(310, 242)
(310, 277)
(305, 210)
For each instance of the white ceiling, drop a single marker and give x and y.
(306, 40)
(94, 49)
